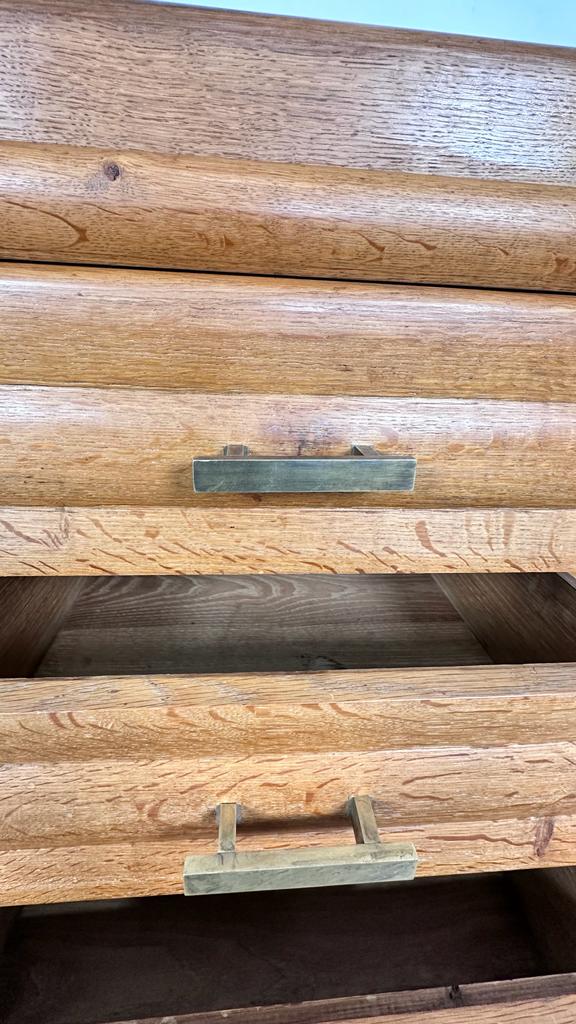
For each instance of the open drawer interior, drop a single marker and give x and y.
(503, 942)
(449, 701)
(215, 624)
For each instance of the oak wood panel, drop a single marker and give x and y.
(381, 1005)
(127, 625)
(129, 208)
(58, 873)
(104, 446)
(117, 800)
(212, 333)
(239, 85)
(31, 614)
(152, 542)
(165, 716)
(532, 618)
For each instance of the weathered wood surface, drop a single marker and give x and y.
(31, 614)
(130, 446)
(122, 717)
(103, 870)
(528, 618)
(212, 83)
(211, 333)
(120, 800)
(130, 208)
(220, 624)
(156, 541)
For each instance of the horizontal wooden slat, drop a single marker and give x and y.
(104, 446)
(211, 333)
(129, 208)
(163, 716)
(105, 870)
(156, 541)
(71, 803)
(170, 78)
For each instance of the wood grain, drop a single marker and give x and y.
(558, 1010)
(127, 625)
(122, 718)
(152, 542)
(549, 902)
(31, 614)
(103, 870)
(146, 798)
(129, 446)
(415, 1004)
(129, 208)
(216, 83)
(517, 619)
(211, 333)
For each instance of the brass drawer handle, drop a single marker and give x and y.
(238, 472)
(369, 861)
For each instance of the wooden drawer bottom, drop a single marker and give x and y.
(449, 701)
(497, 948)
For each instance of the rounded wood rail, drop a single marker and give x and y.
(129, 208)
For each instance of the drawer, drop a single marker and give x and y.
(491, 949)
(160, 369)
(450, 701)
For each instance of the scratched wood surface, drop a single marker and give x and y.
(218, 333)
(55, 873)
(51, 720)
(129, 208)
(126, 625)
(216, 83)
(128, 764)
(117, 800)
(359, 949)
(124, 541)
(130, 446)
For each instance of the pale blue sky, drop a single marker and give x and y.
(537, 21)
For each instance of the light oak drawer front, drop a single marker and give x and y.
(218, 334)
(473, 766)
(94, 447)
(126, 208)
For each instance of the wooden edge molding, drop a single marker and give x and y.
(152, 541)
(61, 720)
(531, 997)
(131, 208)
